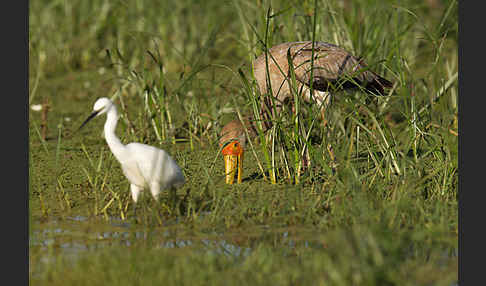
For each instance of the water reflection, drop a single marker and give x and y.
(75, 234)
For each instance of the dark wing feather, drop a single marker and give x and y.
(333, 67)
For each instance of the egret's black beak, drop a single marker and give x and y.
(92, 115)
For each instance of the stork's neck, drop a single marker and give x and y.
(114, 142)
(252, 124)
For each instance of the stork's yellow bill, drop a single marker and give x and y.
(233, 162)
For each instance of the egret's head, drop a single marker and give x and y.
(102, 105)
(232, 143)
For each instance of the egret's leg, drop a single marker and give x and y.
(155, 190)
(135, 190)
(174, 200)
(172, 195)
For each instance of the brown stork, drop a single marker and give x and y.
(332, 69)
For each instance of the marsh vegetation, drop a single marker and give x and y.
(381, 210)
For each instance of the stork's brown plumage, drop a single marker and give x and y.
(332, 69)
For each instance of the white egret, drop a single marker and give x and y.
(144, 166)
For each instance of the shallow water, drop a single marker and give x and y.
(65, 240)
(69, 237)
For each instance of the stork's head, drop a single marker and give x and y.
(232, 141)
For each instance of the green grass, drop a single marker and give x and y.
(386, 215)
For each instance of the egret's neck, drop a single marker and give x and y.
(114, 142)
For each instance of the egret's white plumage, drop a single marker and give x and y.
(144, 166)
